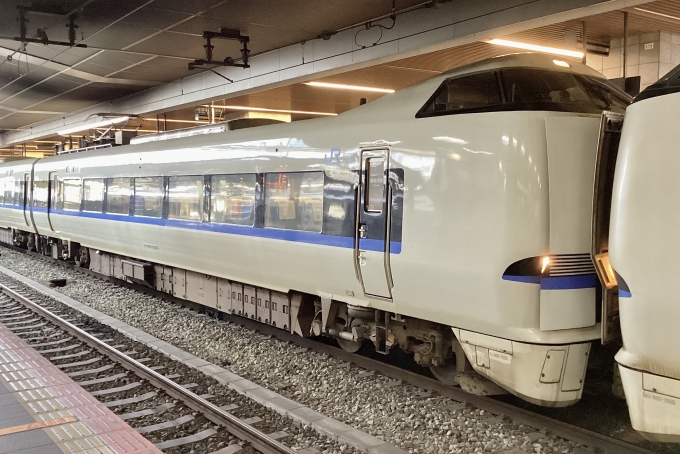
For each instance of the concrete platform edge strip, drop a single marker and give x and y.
(324, 425)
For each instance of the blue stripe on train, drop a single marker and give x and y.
(270, 233)
(557, 282)
(624, 294)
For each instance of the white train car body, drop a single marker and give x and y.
(644, 248)
(443, 203)
(16, 213)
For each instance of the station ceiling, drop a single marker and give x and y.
(133, 45)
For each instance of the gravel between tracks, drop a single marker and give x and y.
(394, 413)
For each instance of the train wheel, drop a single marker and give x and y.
(350, 346)
(446, 374)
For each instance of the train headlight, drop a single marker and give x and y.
(544, 264)
(530, 269)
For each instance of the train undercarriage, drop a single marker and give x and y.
(432, 345)
(542, 374)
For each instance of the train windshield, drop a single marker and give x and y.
(516, 89)
(530, 89)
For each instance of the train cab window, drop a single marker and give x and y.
(464, 94)
(149, 197)
(232, 199)
(69, 193)
(40, 193)
(294, 201)
(375, 185)
(534, 89)
(185, 198)
(93, 195)
(118, 195)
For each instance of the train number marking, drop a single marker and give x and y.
(498, 356)
(660, 398)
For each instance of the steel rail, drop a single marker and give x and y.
(258, 440)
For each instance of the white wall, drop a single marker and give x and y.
(650, 56)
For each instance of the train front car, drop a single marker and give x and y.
(644, 249)
(499, 168)
(450, 219)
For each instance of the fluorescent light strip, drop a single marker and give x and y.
(349, 87)
(534, 47)
(658, 14)
(99, 124)
(262, 109)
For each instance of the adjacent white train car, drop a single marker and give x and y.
(644, 250)
(451, 219)
(14, 197)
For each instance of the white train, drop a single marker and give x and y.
(644, 250)
(451, 219)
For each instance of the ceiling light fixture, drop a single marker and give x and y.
(262, 109)
(534, 47)
(100, 124)
(658, 14)
(349, 87)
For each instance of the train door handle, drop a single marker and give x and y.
(363, 232)
(362, 259)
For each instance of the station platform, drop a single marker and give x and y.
(43, 411)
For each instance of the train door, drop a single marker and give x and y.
(372, 236)
(26, 197)
(51, 197)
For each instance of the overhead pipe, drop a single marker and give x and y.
(625, 42)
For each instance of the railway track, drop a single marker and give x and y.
(600, 442)
(123, 382)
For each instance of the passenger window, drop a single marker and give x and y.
(93, 195)
(375, 185)
(185, 198)
(19, 186)
(232, 199)
(149, 197)
(40, 194)
(294, 201)
(69, 194)
(464, 93)
(118, 195)
(8, 189)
